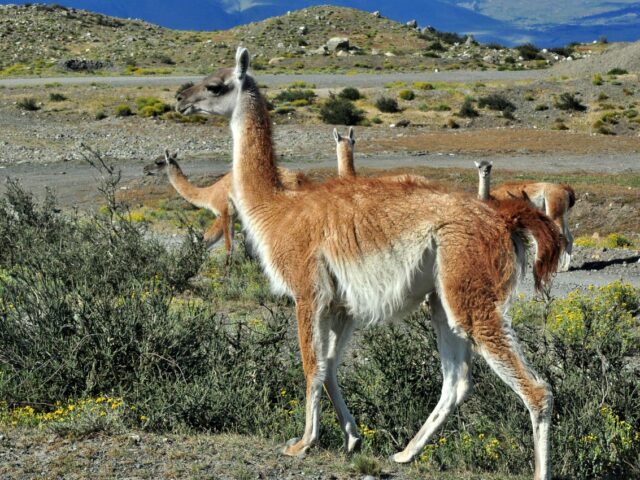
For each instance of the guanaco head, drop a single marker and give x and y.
(218, 93)
(160, 162)
(484, 168)
(344, 151)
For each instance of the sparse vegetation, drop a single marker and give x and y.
(596, 79)
(100, 115)
(406, 94)
(340, 111)
(57, 97)
(528, 51)
(423, 86)
(28, 104)
(467, 110)
(495, 101)
(123, 111)
(151, 107)
(568, 101)
(617, 71)
(387, 105)
(296, 94)
(350, 93)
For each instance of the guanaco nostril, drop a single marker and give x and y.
(179, 98)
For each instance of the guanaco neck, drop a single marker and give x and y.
(484, 187)
(345, 160)
(255, 175)
(184, 187)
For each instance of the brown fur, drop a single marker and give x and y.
(520, 217)
(353, 230)
(215, 197)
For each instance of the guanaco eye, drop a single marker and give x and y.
(216, 89)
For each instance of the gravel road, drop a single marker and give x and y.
(362, 80)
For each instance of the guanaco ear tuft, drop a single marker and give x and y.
(242, 62)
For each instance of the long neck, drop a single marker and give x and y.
(188, 191)
(255, 175)
(345, 160)
(484, 187)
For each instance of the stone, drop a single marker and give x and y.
(320, 51)
(389, 54)
(412, 23)
(338, 43)
(376, 14)
(469, 41)
(302, 30)
(342, 53)
(275, 60)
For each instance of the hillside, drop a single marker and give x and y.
(43, 39)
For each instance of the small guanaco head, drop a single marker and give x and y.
(217, 94)
(160, 163)
(484, 168)
(344, 152)
(484, 172)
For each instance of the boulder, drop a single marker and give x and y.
(412, 23)
(338, 43)
(376, 14)
(275, 60)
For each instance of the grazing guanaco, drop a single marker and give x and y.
(554, 199)
(214, 197)
(367, 250)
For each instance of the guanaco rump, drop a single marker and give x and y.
(215, 197)
(554, 199)
(368, 251)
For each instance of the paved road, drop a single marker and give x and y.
(320, 80)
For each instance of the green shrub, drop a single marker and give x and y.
(617, 240)
(467, 109)
(387, 105)
(442, 107)
(350, 93)
(151, 107)
(406, 94)
(541, 107)
(602, 96)
(568, 101)
(423, 85)
(617, 71)
(100, 115)
(28, 104)
(57, 97)
(495, 101)
(123, 111)
(340, 111)
(528, 51)
(293, 94)
(92, 307)
(596, 79)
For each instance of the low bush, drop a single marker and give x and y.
(406, 94)
(387, 105)
(528, 51)
(541, 107)
(423, 85)
(57, 97)
(293, 94)
(151, 107)
(100, 115)
(123, 111)
(340, 111)
(596, 79)
(28, 104)
(568, 101)
(495, 101)
(350, 93)
(617, 71)
(467, 109)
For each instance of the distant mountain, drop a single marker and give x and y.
(506, 21)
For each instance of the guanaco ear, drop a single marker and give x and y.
(336, 135)
(351, 137)
(477, 164)
(167, 156)
(242, 62)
